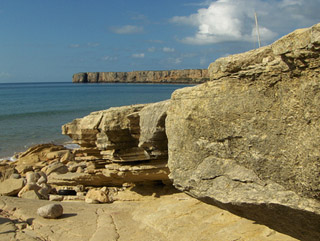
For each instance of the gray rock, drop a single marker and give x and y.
(50, 211)
(152, 129)
(15, 176)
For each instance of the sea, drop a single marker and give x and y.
(33, 113)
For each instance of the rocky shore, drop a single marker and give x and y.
(185, 76)
(235, 158)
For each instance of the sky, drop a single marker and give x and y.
(50, 40)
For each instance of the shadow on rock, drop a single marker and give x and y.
(156, 190)
(299, 224)
(68, 215)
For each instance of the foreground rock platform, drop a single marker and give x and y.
(150, 215)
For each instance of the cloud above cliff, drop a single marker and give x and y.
(168, 50)
(127, 29)
(233, 20)
(138, 56)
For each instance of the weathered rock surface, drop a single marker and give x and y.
(248, 141)
(186, 76)
(152, 215)
(120, 145)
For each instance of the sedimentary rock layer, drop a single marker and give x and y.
(249, 140)
(120, 145)
(186, 76)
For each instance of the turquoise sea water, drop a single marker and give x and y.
(33, 113)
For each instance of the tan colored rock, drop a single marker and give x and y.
(55, 167)
(31, 194)
(6, 170)
(74, 179)
(247, 141)
(56, 198)
(11, 187)
(29, 187)
(35, 158)
(138, 173)
(32, 177)
(97, 196)
(44, 191)
(109, 140)
(67, 157)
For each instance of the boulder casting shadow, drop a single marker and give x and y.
(300, 224)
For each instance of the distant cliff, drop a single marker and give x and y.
(186, 76)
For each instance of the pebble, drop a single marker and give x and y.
(50, 211)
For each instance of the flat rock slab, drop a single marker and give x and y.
(167, 217)
(11, 186)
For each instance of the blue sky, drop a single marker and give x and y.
(50, 40)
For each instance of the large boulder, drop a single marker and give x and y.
(249, 140)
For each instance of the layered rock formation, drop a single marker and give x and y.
(119, 145)
(248, 141)
(186, 76)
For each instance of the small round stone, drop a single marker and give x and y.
(50, 211)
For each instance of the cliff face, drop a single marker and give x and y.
(187, 76)
(249, 140)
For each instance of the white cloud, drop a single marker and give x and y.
(109, 58)
(139, 16)
(286, 3)
(151, 49)
(157, 41)
(138, 56)
(127, 29)
(93, 44)
(233, 20)
(74, 45)
(175, 60)
(168, 50)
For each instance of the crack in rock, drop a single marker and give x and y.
(115, 227)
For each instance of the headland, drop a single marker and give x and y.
(186, 76)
